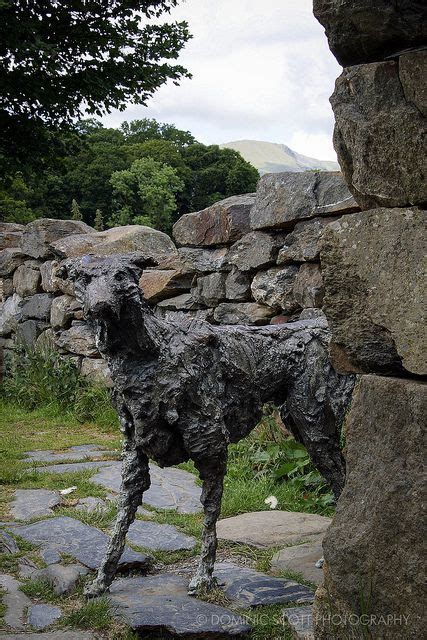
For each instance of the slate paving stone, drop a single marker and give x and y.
(41, 616)
(84, 543)
(63, 578)
(7, 543)
(33, 503)
(300, 620)
(170, 488)
(301, 559)
(26, 567)
(251, 588)
(273, 528)
(161, 603)
(50, 556)
(73, 467)
(78, 452)
(15, 601)
(159, 537)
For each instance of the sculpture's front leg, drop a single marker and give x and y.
(212, 473)
(135, 480)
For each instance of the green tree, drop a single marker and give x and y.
(216, 174)
(149, 129)
(98, 222)
(145, 194)
(13, 202)
(60, 58)
(76, 214)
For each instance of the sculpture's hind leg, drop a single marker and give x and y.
(135, 480)
(212, 473)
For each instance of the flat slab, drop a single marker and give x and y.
(63, 578)
(7, 543)
(301, 559)
(86, 544)
(15, 601)
(272, 528)
(74, 467)
(91, 504)
(170, 488)
(41, 616)
(33, 503)
(300, 620)
(78, 452)
(161, 603)
(159, 537)
(249, 588)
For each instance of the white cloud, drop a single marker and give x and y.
(261, 70)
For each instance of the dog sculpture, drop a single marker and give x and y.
(186, 390)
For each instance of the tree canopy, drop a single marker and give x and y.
(98, 163)
(60, 59)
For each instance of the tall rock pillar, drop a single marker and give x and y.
(373, 268)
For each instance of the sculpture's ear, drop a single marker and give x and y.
(73, 268)
(138, 262)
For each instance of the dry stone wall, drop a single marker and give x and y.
(373, 270)
(250, 259)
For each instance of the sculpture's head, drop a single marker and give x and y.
(105, 285)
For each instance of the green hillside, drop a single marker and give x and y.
(269, 157)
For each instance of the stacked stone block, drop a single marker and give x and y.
(373, 269)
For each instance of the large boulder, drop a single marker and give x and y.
(10, 235)
(366, 31)
(380, 135)
(26, 279)
(10, 259)
(255, 250)
(62, 310)
(374, 549)
(243, 313)
(194, 260)
(283, 199)
(10, 313)
(38, 236)
(238, 285)
(158, 284)
(222, 223)
(78, 339)
(209, 290)
(274, 288)
(36, 307)
(308, 286)
(375, 291)
(303, 243)
(149, 242)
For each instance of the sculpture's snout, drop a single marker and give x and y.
(100, 300)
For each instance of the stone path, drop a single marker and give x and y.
(162, 537)
(78, 452)
(41, 616)
(86, 544)
(33, 503)
(170, 488)
(249, 588)
(300, 559)
(158, 602)
(273, 528)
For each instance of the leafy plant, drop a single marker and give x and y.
(34, 378)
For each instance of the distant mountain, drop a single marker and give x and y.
(269, 157)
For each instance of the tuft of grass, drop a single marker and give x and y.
(100, 518)
(189, 523)
(267, 623)
(95, 614)
(39, 589)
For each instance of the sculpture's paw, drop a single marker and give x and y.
(95, 589)
(201, 585)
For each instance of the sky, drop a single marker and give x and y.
(261, 70)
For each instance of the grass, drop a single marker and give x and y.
(246, 487)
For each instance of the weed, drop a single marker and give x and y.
(95, 614)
